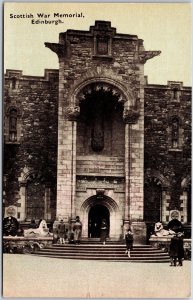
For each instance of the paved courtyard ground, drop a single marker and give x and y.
(33, 276)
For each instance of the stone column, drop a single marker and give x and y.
(127, 176)
(47, 212)
(66, 178)
(134, 169)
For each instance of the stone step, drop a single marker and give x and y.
(95, 250)
(107, 252)
(105, 255)
(116, 259)
(107, 245)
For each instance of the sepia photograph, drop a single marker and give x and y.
(97, 150)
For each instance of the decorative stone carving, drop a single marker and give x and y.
(130, 115)
(102, 45)
(72, 112)
(145, 55)
(41, 231)
(100, 86)
(11, 211)
(175, 214)
(100, 191)
(103, 34)
(59, 49)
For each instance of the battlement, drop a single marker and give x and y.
(49, 74)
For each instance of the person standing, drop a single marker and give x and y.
(180, 248)
(129, 242)
(173, 250)
(104, 231)
(61, 232)
(77, 228)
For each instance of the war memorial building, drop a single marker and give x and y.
(94, 139)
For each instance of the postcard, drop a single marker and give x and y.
(97, 150)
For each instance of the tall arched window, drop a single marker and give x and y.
(152, 201)
(35, 200)
(175, 132)
(13, 125)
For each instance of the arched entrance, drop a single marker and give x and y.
(95, 216)
(94, 209)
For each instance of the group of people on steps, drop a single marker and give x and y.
(176, 249)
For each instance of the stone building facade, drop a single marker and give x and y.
(94, 139)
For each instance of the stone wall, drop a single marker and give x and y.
(36, 147)
(167, 165)
(33, 154)
(52, 141)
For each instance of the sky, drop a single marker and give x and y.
(165, 27)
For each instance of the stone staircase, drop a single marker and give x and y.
(112, 251)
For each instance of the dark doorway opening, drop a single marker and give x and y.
(95, 216)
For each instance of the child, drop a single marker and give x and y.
(129, 241)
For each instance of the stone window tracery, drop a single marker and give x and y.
(12, 128)
(175, 132)
(13, 125)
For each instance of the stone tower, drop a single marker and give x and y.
(100, 169)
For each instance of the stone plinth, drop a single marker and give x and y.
(25, 245)
(139, 232)
(164, 243)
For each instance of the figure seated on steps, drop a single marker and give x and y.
(41, 231)
(160, 231)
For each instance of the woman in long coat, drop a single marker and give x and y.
(104, 231)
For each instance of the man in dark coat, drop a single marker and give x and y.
(173, 250)
(180, 248)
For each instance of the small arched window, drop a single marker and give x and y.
(175, 133)
(13, 125)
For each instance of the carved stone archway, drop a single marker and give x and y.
(32, 184)
(87, 85)
(160, 188)
(107, 202)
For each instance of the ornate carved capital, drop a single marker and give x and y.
(145, 55)
(130, 115)
(72, 112)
